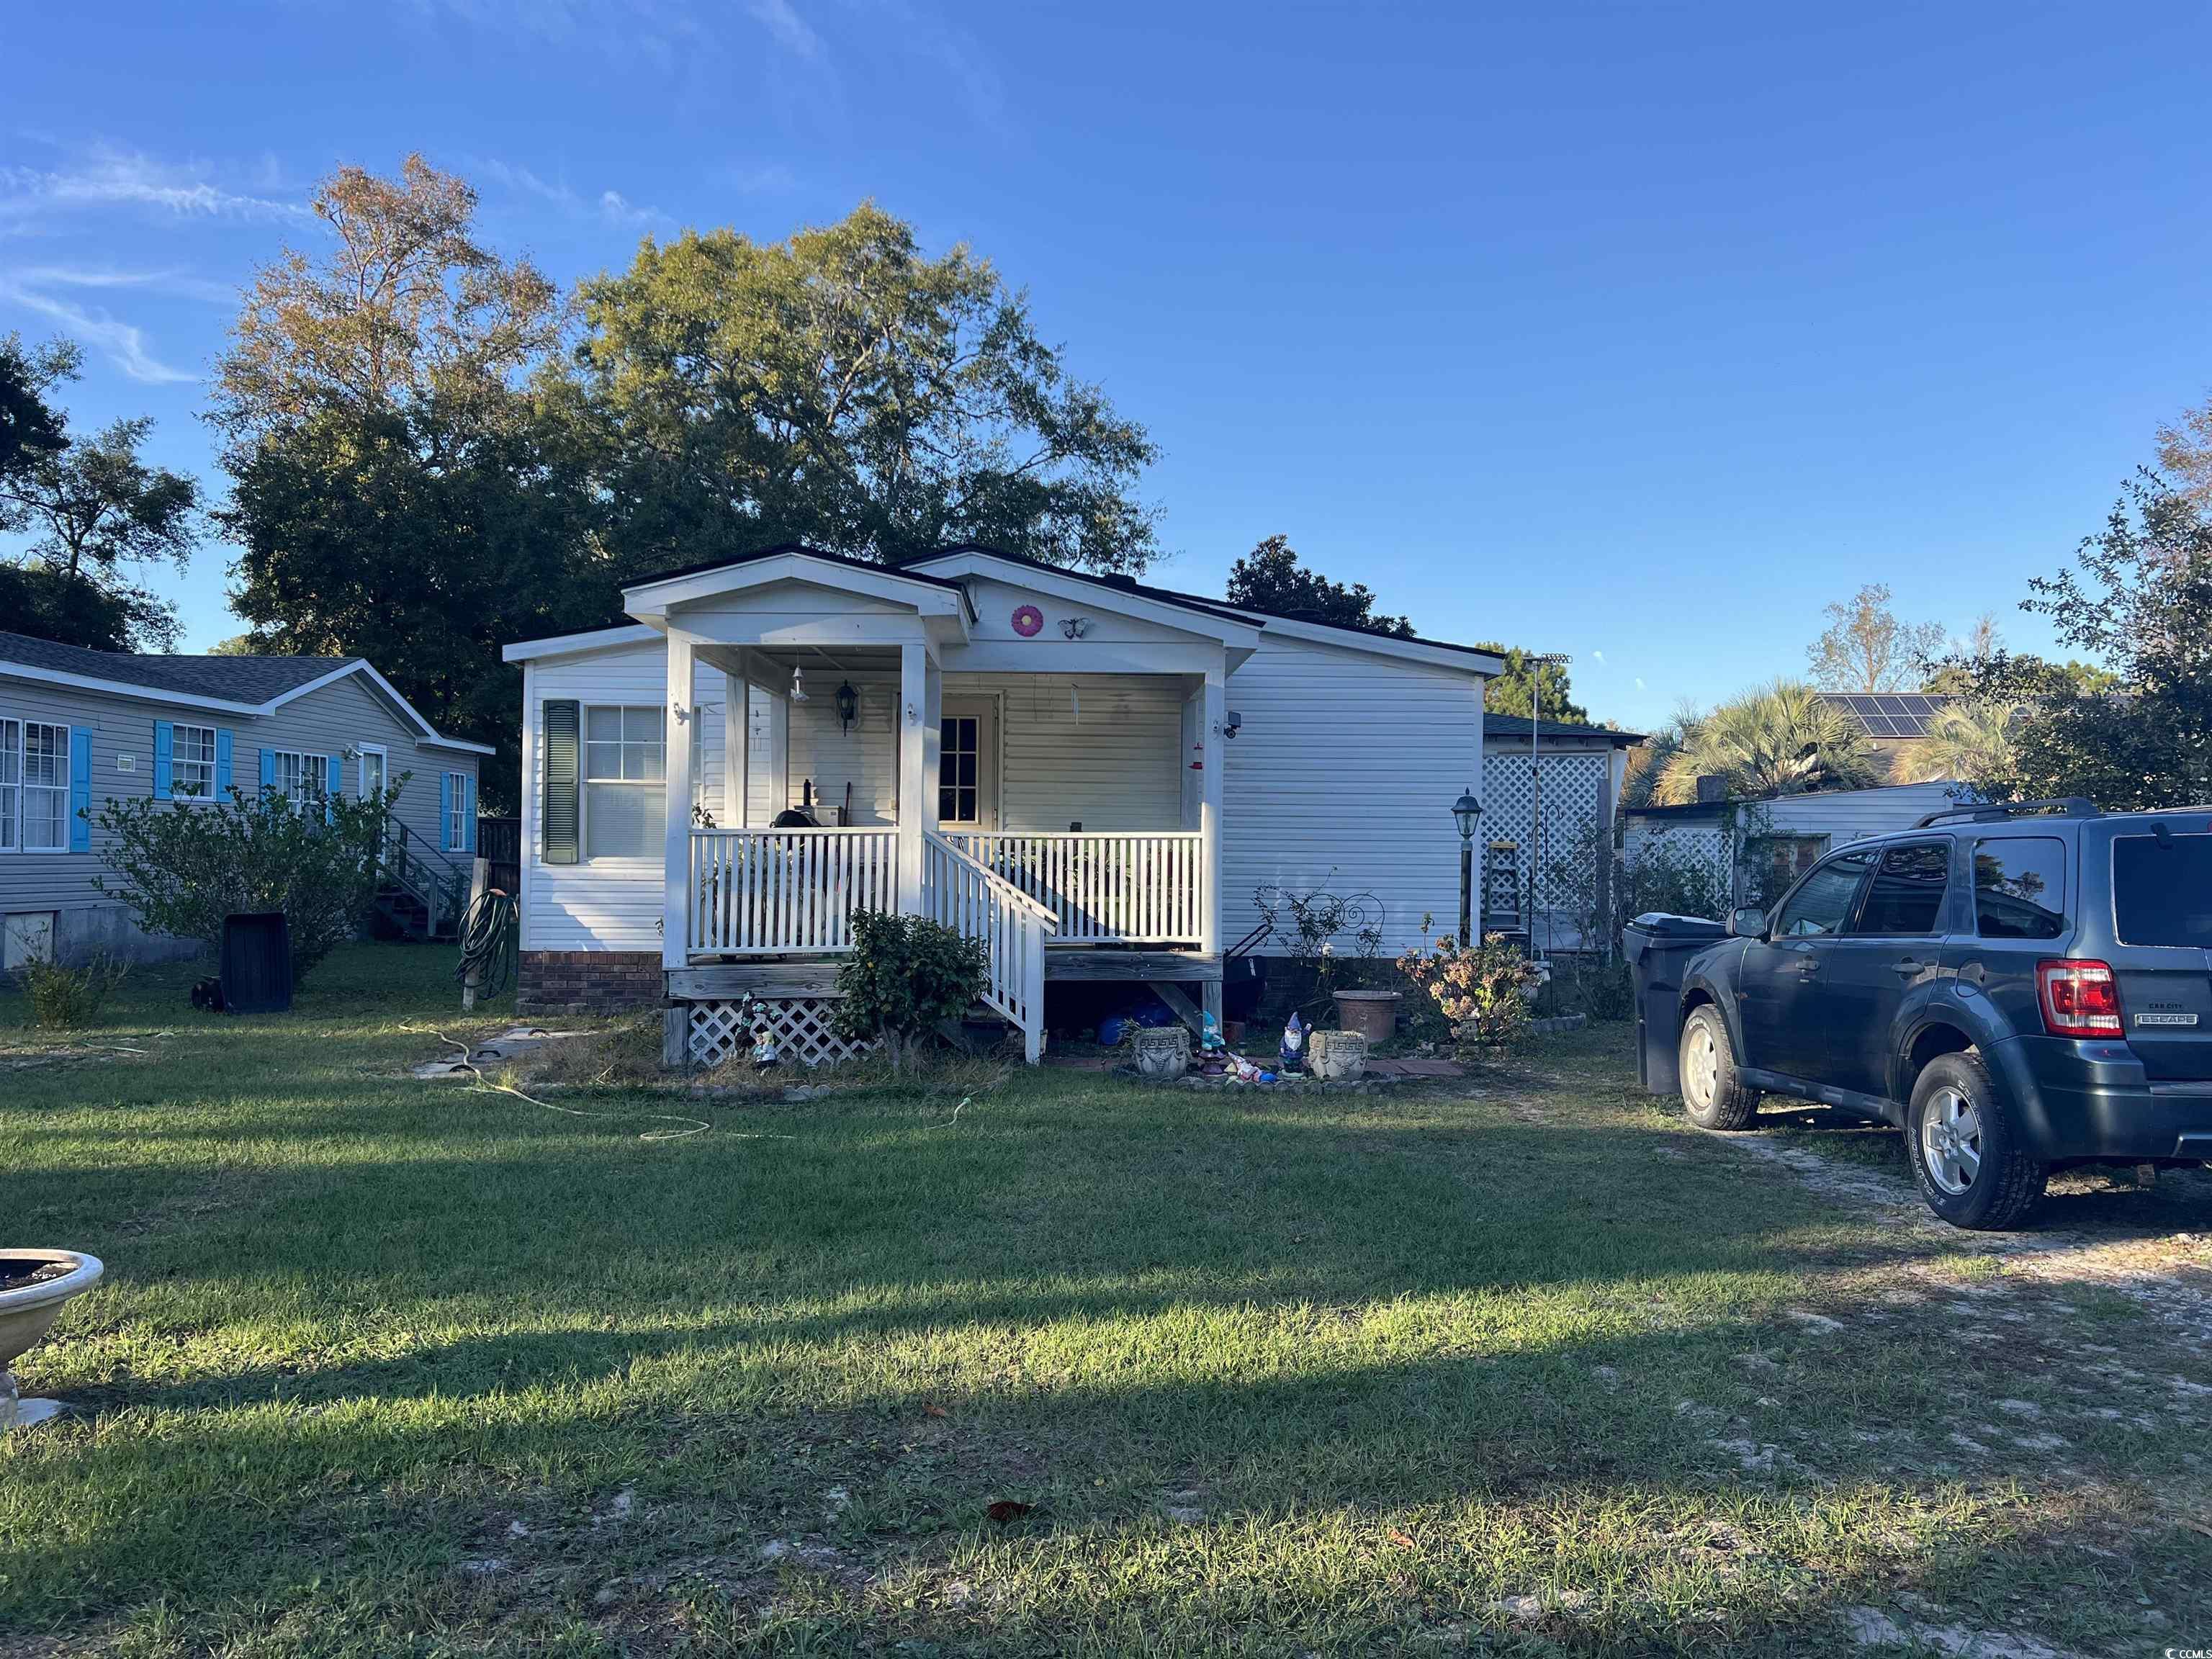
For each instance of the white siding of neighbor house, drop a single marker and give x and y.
(1843, 816)
(331, 720)
(1344, 776)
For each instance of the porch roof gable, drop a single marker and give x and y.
(650, 598)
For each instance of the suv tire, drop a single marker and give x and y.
(1713, 1094)
(1967, 1154)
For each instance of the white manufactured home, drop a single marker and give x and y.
(1093, 775)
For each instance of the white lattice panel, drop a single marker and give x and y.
(1573, 787)
(803, 1031)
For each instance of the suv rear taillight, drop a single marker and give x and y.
(2079, 998)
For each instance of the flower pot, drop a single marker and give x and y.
(1338, 1054)
(28, 1308)
(1232, 1033)
(1163, 1051)
(1373, 1014)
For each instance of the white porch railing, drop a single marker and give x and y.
(1145, 888)
(961, 894)
(758, 892)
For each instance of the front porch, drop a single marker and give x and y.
(834, 751)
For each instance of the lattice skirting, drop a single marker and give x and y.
(802, 1025)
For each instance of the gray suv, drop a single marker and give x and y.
(2017, 989)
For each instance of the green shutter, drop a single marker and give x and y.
(559, 816)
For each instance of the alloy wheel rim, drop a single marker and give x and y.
(1951, 1141)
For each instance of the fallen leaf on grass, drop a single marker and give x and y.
(1403, 1540)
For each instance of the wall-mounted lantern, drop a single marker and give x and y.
(848, 706)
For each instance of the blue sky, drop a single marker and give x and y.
(1637, 332)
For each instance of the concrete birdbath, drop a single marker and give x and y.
(33, 1284)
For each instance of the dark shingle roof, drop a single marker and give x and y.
(232, 679)
(1889, 714)
(1516, 726)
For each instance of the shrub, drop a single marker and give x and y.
(181, 869)
(906, 975)
(1482, 989)
(62, 996)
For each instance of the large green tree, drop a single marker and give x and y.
(1528, 680)
(840, 388)
(399, 491)
(92, 511)
(2138, 603)
(1270, 578)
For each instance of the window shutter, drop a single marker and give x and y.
(559, 816)
(334, 782)
(269, 769)
(221, 764)
(468, 814)
(446, 810)
(80, 789)
(164, 755)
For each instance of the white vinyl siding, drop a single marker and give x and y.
(1343, 778)
(191, 763)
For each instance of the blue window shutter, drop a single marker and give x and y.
(444, 809)
(80, 789)
(221, 764)
(468, 814)
(334, 782)
(269, 769)
(164, 755)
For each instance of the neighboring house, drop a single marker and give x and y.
(1094, 773)
(79, 728)
(1549, 797)
(1763, 845)
(1895, 722)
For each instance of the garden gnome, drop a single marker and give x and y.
(1294, 1046)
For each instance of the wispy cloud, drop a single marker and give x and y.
(792, 32)
(107, 177)
(1597, 656)
(180, 284)
(1640, 682)
(121, 343)
(610, 206)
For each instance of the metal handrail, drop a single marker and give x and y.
(441, 890)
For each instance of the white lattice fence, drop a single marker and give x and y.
(802, 1028)
(1573, 791)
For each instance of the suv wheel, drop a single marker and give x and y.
(1712, 1093)
(1965, 1147)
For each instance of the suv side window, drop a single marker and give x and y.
(1822, 903)
(2019, 887)
(1907, 894)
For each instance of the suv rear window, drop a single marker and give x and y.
(2162, 890)
(2019, 887)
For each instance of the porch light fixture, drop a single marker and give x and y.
(848, 706)
(797, 685)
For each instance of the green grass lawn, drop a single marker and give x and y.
(1519, 1364)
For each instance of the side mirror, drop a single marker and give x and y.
(1747, 921)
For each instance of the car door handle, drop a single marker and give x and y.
(1907, 969)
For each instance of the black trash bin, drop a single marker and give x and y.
(257, 963)
(1659, 948)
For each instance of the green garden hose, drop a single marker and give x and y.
(487, 931)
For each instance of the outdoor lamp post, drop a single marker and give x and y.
(1467, 812)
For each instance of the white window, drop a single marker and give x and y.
(457, 812)
(11, 785)
(625, 807)
(191, 763)
(45, 787)
(302, 778)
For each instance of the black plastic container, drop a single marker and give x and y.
(257, 963)
(1659, 948)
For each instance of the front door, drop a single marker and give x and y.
(1779, 991)
(967, 765)
(375, 774)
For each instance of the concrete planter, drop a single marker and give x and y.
(1163, 1051)
(26, 1312)
(1339, 1054)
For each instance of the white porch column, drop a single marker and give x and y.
(681, 708)
(915, 728)
(737, 732)
(1216, 763)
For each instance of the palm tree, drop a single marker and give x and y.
(1970, 740)
(1782, 739)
